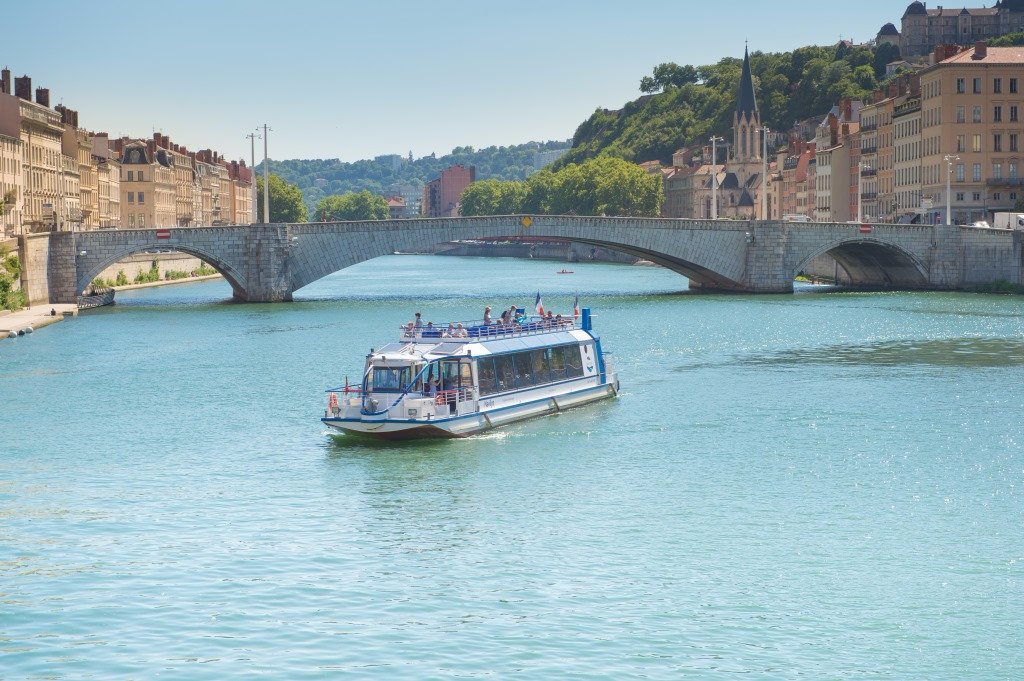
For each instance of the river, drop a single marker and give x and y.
(824, 484)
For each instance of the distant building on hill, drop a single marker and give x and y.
(547, 157)
(923, 28)
(441, 195)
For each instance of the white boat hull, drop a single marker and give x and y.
(493, 413)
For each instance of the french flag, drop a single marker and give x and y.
(539, 305)
(576, 307)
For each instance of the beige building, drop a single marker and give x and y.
(11, 186)
(923, 28)
(147, 185)
(40, 132)
(108, 182)
(971, 130)
(906, 154)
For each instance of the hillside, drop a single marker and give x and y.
(689, 103)
(386, 174)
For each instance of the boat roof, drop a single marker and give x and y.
(427, 349)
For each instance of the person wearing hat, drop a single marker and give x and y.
(487, 315)
(419, 321)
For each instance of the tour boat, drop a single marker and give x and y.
(460, 379)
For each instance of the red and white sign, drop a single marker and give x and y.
(865, 229)
(163, 234)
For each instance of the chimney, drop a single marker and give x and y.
(5, 81)
(43, 96)
(151, 147)
(980, 50)
(23, 88)
(894, 90)
(165, 141)
(847, 105)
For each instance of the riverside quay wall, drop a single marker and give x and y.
(268, 263)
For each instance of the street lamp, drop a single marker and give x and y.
(764, 173)
(949, 172)
(714, 176)
(266, 177)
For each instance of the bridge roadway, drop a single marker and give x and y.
(268, 263)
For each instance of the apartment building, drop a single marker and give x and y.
(906, 154)
(441, 195)
(971, 130)
(108, 182)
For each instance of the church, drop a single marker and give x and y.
(740, 180)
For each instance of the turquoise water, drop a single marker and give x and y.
(823, 485)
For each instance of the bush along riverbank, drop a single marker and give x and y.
(1000, 286)
(10, 273)
(153, 276)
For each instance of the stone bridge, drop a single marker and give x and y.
(268, 263)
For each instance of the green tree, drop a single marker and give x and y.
(1008, 40)
(352, 206)
(286, 203)
(10, 272)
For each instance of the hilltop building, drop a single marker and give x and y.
(923, 29)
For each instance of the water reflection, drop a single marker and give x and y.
(946, 352)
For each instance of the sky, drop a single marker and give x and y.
(354, 80)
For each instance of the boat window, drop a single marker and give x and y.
(556, 362)
(488, 379)
(391, 379)
(539, 367)
(465, 374)
(505, 369)
(449, 374)
(573, 361)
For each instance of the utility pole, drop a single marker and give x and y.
(252, 169)
(714, 176)
(764, 175)
(949, 172)
(266, 177)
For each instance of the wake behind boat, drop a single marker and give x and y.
(470, 377)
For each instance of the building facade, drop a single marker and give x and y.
(441, 195)
(971, 133)
(923, 29)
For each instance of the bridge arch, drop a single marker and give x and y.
(872, 263)
(90, 268)
(712, 259)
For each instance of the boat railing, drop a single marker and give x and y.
(473, 331)
(455, 396)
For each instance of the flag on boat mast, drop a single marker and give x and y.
(576, 307)
(539, 305)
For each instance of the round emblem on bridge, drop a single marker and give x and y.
(527, 221)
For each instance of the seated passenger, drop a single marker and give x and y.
(450, 331)
(461, 332)
(409, 331)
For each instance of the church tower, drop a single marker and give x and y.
(746, 122)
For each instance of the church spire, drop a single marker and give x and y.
(746, 105)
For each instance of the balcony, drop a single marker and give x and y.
(869, 128)
(868, 172)
(870, 149)
(869, 196)
(1005, 182)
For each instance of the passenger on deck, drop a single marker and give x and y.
(487, 316)
(549, 320)
(428, 330)
(419, 321)
(450, 331)
(558, 320)
(409, 331)
(460, 331)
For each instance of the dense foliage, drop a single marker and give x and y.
(1008, 40)
(387, 174)
(352, 206)
(696, 102)
(10, 272)
(286, 204)
(601, 186)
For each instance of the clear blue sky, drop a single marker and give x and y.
(353, 80)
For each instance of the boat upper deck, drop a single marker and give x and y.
(477, 331)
